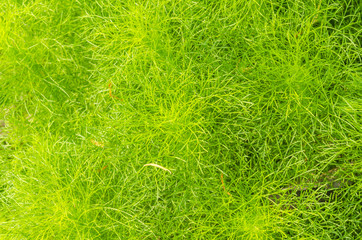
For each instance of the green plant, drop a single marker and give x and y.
(237, 99)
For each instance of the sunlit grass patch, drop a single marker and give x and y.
(180, 119)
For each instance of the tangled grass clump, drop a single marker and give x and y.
(240, 100)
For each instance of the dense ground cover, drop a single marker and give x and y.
(237, 99)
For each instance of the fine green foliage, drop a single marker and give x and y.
(228, 102)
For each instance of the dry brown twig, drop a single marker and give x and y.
(223, 186)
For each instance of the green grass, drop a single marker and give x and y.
(267, 94)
